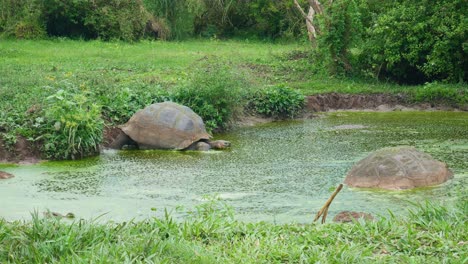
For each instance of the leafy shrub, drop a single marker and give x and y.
(66, 18)
(175, 18)
(278, 102)
(119, 106)
(258, 19)
(73, 126)
(215, 92)
(409, 42)
(117, 19)
(104, 19)
(207, 18)
(418, 41)
(343, 28)
(21, 19)
(28, 30)
(434, 92)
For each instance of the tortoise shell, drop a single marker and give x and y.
(165, 126)
(398, 168)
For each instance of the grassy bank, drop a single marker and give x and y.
(52, 91)
(27, 67)
(430, 234)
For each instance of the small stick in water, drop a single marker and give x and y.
(324, 209)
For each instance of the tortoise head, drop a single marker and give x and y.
(220, 144)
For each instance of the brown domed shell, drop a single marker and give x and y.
(165, 126)
(398, 168)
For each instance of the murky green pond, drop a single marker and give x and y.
(279, 172)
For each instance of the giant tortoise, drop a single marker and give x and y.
(398, 168)
(168, 126)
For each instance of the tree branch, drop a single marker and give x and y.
(316, 5)
(298, 6)
(324, 211)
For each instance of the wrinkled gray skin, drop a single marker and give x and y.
(203, 145)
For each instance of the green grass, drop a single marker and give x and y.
(119, 78)
(430, 234)
(26, 67)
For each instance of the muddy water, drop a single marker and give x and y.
(279, 172)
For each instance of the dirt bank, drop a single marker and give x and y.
(22, 152)
(26, 152)
(372, 102)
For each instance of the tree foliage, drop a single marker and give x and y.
(21, 18)
(406, 41)
(128, 19)
(263, 19)
(89, 19)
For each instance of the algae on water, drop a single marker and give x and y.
(279, 172)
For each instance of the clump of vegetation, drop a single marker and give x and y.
(402, 41)
(278, 102)
(131, 20)
(211, 234)
(216, 91)
(106, 20)
(342, 33)
(255, 19)
(435, 92)
(119, 106)
(417, 42)
(21, 19)
(73, 125)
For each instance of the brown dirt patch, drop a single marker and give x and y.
(23, 151)
(350, 216)
(374, 102)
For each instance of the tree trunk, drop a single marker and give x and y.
(314, 8)
(310, 26)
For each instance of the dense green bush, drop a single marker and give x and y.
(411, 42)
(435, 92)
(89, 19)
(234, 18)
(278, 102)
(73, 125)
(216, 92)
(21, 19)
(343, 32)
(117, 19)
(104, 19)
(261, 19)
(120, 105)
(166, 19)
(175, 19)
(67, 18)
(419, 41)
